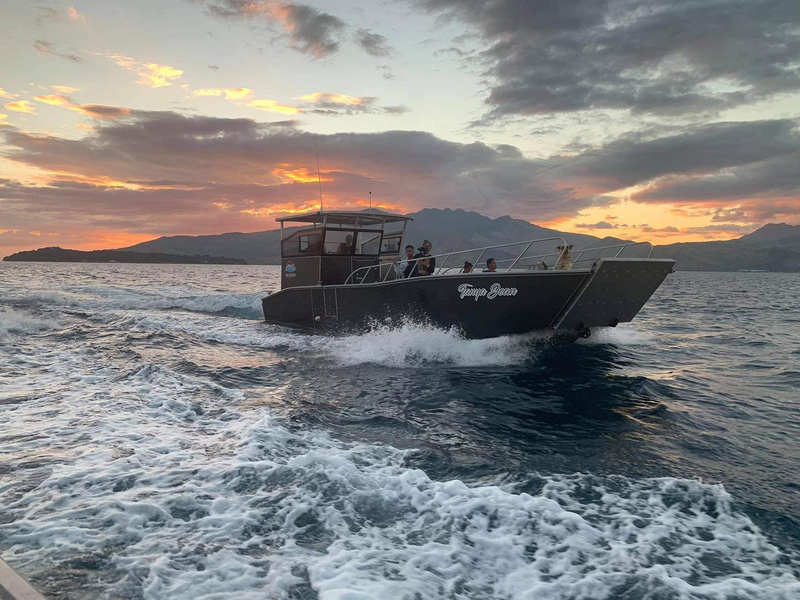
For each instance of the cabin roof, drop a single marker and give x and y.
(343, 217)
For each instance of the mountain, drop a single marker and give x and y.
(56, 254)
(775, 247)
(770, 233)
(449, 230)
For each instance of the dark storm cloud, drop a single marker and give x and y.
(374, 44)
(653, 56)
(193, 165)
(310, 31)
(413, 169)
(695, 151)
(46, 47)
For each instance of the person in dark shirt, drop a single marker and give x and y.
(408, 262)
(491, 266)
(424, 266)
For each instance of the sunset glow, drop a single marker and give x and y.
(118, 125)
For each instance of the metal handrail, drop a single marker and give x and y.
(516, 260)
(447, 255)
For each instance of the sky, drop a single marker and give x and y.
(661, 120)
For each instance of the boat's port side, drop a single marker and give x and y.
(480, 305)
(615, 293)
(14, 587)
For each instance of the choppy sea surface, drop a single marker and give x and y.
(158, 440)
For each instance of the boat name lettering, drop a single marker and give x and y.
(467, 290)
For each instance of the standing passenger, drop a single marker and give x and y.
(404, 267)
(425, 266)
(491, 266)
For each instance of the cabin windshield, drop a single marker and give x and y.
(339, 241)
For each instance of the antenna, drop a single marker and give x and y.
(319, 179)
(370, 200)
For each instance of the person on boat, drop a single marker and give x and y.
(467, 267)
(424, 265)
(491, 266)
(404, 267)
(345, 246)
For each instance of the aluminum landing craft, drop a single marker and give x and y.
(341, 273)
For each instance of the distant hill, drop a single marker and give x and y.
(449, 230)
(770, 233)
(56, 254)
(774, 247)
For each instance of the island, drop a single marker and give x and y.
(56, 254)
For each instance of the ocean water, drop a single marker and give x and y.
(157, 440)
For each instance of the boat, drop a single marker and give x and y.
(341, 273)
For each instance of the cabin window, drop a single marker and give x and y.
(302, 243)
(391, 244)
(339, 241)
(369, 242)
(309, 243)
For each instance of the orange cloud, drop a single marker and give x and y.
(152, 75)
(22, 106)
(342, 99)
(75, 15)
(5, 94)
(273, 106)
(95, 111)
(64, 89)
(297, 175)
(3, 118)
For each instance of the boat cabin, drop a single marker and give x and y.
(334, 244)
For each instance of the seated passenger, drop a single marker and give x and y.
(467, 267)
(491, 266)
(424, 266)
(345, 246)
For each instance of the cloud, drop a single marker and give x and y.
(310, 31)
(3, 118)
(64, 89)
(273, 106)
(165, 172)
(232, 94)
(697, 151)
(96, 111)
(323, 103)
(648, 56)
(22, 106)
(168, 165)
(598, 225)
(213, 67)
(46, 47)
(8, 95)
(319, 103)
(75, 15)
(373, 44)
(152, 75)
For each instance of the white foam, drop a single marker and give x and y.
(169, 487)
(13, 322)
(405, 345)
(625, 334)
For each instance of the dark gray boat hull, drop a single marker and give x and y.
(481, 304)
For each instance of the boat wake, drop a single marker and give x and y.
(182, 491)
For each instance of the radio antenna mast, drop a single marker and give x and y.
(319, 179)
(370, 200)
